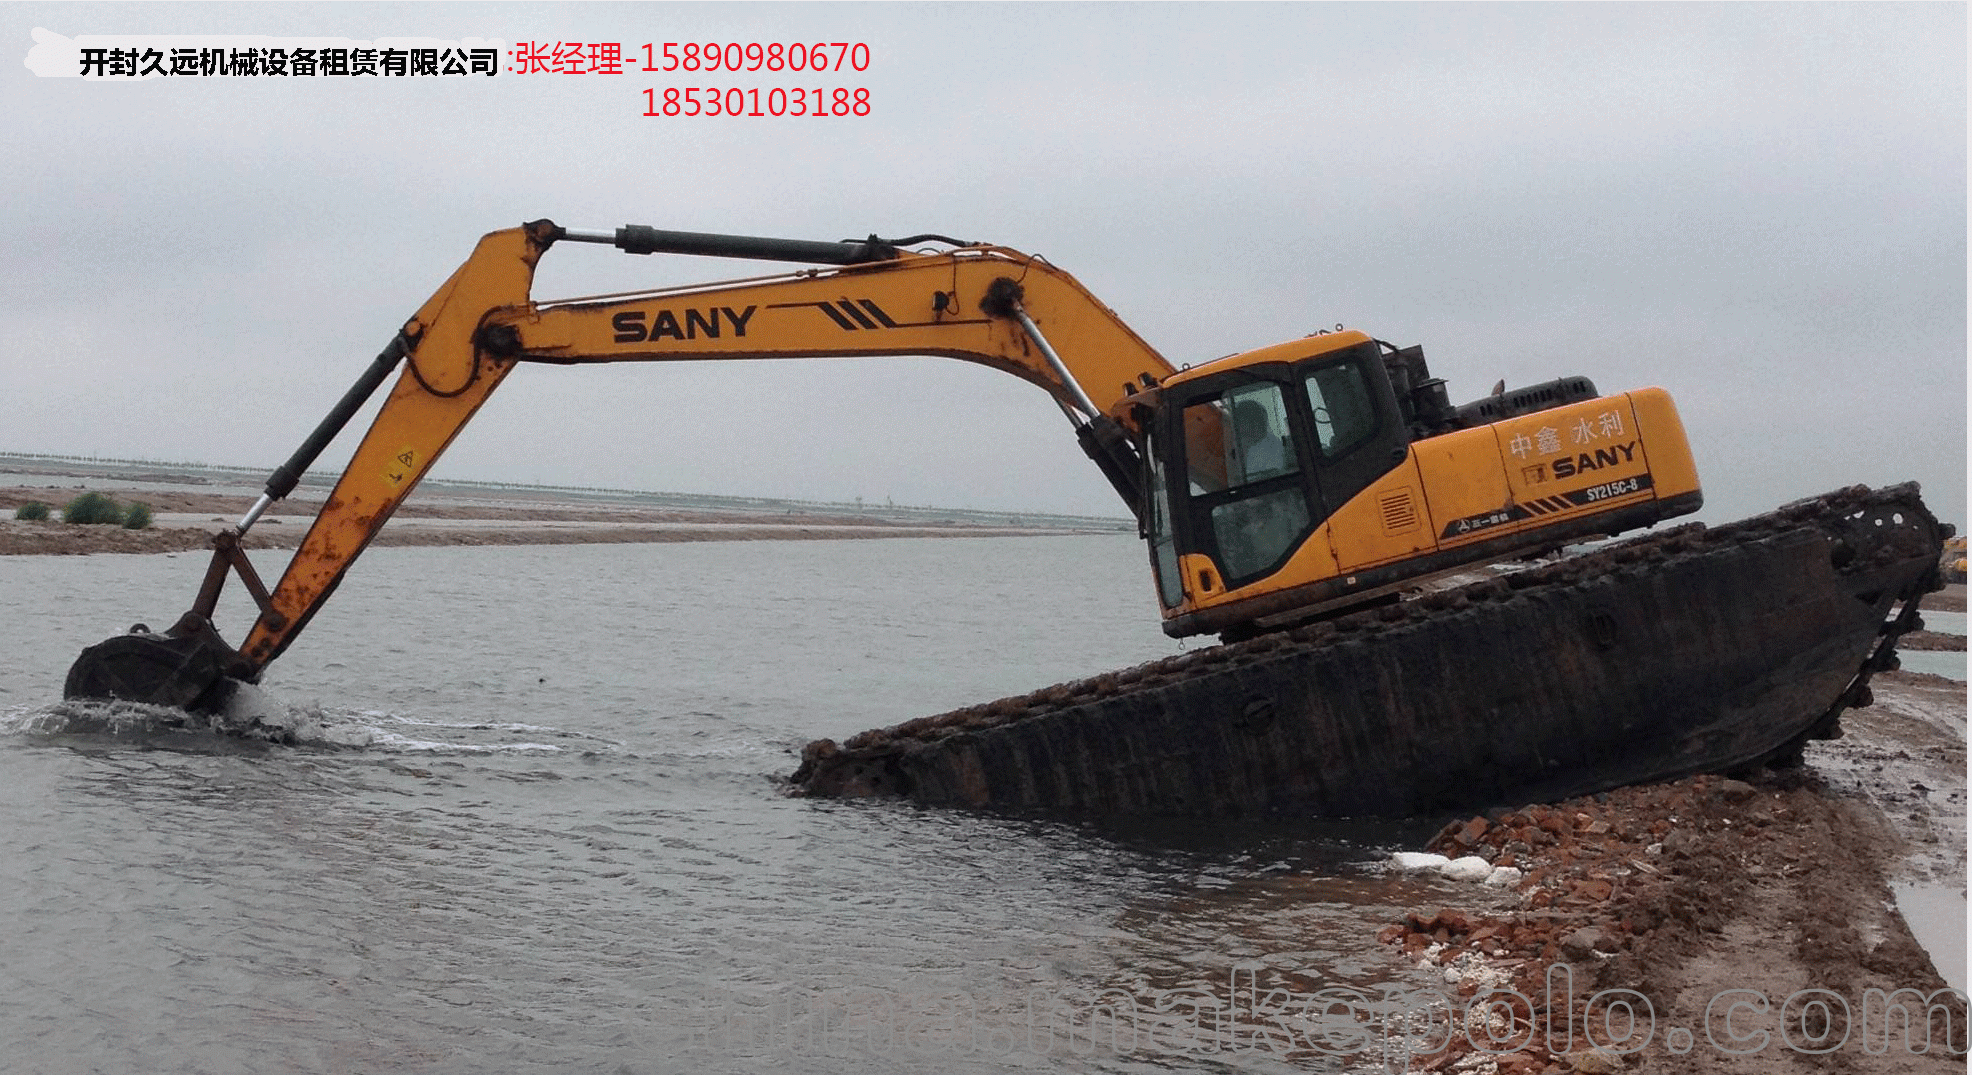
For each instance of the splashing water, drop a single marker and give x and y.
(252, 715)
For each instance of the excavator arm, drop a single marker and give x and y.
(983, 304)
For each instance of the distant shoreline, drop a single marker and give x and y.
(185, 521)
(75, 473)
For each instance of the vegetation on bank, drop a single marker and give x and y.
(93, 509)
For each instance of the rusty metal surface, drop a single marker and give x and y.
(1691, 650)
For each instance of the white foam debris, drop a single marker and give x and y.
(1469, 868)
(1418, 861)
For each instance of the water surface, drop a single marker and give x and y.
(536, 825)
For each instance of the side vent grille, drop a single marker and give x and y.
(1399, 512)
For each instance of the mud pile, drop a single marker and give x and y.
(1682, 892)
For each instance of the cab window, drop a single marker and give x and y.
(1244, 473)
(1345, 412)
(1239, 438)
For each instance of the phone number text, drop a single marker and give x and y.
(613, 58)
(753, 101)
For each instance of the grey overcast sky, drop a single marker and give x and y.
(1761, 208)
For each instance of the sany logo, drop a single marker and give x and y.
(1603, 457)
(632, 327)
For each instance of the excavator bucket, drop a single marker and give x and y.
(185, 668)
(190, 666)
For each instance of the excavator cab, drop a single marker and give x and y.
(1255, 456)
(1251, 454)
(1323, 474)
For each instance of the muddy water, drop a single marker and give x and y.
(1948, 663)
(1937, 912)
(535, 827)
(1950, 623)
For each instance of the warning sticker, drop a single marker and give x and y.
(402, 465)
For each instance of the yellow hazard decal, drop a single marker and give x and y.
(402, 465)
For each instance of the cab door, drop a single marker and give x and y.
(1235, 475)
(1356, 436)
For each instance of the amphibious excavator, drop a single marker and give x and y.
(1279, 492)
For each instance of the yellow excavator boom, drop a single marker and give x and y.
(981, 304)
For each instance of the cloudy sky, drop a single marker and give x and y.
(1760, 208)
